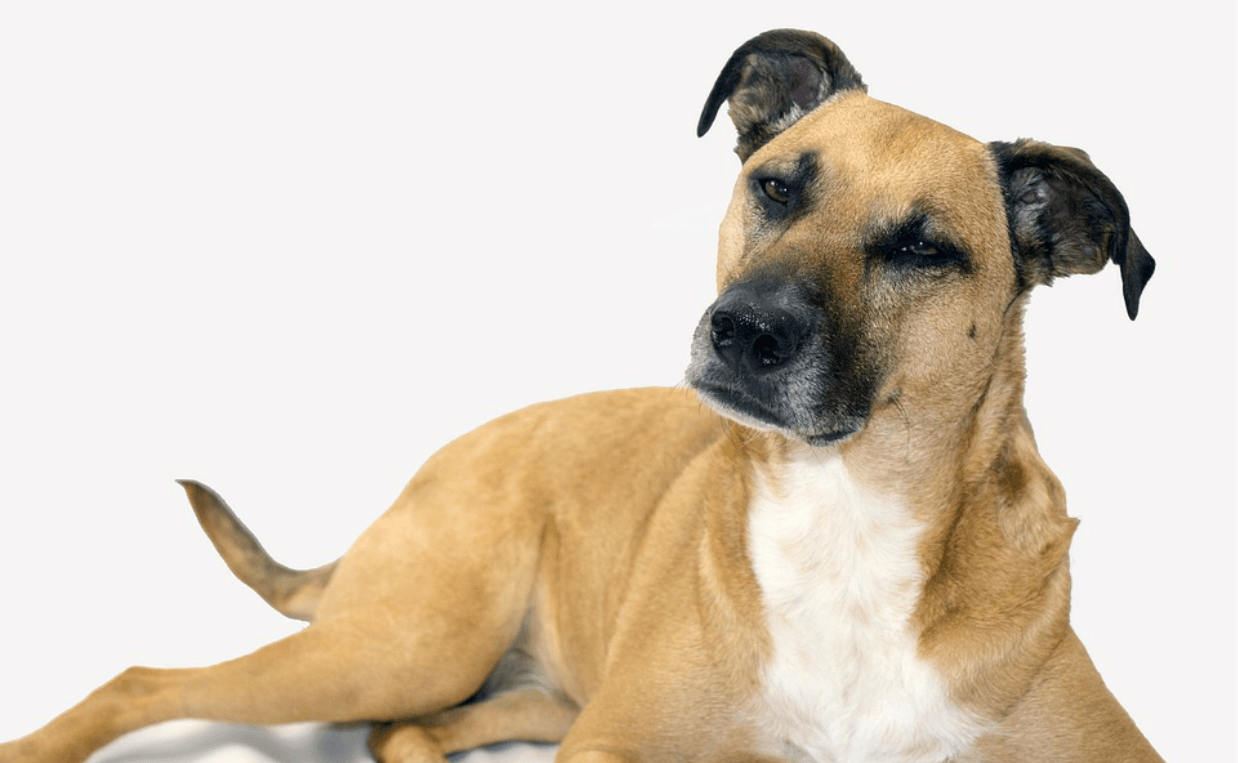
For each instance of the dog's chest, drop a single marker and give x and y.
(840, 578)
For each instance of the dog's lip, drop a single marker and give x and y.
(830, 438)
(731, 400)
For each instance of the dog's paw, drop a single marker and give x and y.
(404, 743)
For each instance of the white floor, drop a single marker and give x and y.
(203, 742)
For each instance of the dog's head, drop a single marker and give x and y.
(871, 257)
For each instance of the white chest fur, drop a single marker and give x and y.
(840, 577)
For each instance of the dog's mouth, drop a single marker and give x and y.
(744, 409)
(739, 406)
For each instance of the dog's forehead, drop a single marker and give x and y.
(875, 166)
(853, 129)
(887, 159)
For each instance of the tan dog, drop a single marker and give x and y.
(850, 552)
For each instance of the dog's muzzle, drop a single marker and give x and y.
(760, 356)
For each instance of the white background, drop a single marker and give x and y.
(290, 249)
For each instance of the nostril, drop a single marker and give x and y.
(722, 330)
(770, 352)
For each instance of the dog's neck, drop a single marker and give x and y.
(991, 522)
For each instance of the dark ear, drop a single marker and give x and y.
(773, 80)
(1066, 217)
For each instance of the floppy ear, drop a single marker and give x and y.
(774, 79)
(1066, 217)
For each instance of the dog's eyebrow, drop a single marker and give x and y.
(915, 227)
(799, 170)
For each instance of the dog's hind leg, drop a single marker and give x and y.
(517, 702)
(527, 715)
(344, 671)
(413, 620)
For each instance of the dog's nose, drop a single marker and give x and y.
(758, 328)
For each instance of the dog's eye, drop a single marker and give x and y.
(919, 249)
(918, 253)
(776, 190)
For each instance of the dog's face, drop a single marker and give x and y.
(872, 258)
(864, 257)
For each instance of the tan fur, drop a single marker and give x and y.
(582, 570)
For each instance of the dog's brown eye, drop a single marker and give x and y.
(776, 190)
(920, 249)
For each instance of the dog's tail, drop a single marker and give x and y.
(294, 593)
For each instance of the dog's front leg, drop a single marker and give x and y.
(656, 754)
(599, 736)
(644, 730)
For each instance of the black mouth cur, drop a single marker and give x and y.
(841, 545)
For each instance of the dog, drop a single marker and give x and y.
(836, 543)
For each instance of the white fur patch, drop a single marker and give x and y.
(840, 578)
